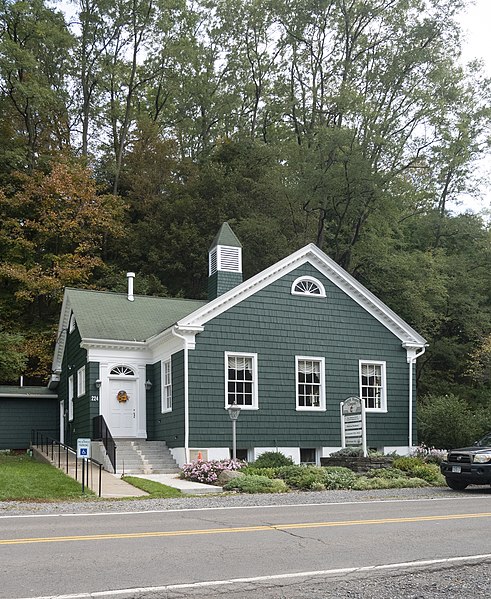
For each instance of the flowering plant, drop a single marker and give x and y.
(429, 454)
(208, 472)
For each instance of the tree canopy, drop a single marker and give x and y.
(132, 129)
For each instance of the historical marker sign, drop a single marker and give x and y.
(353, 424)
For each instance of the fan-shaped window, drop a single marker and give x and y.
(308, 286)
(122, 371)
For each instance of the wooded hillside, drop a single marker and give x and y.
(131, 131)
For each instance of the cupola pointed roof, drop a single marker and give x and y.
(225, 236)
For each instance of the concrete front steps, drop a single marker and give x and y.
(137, 456)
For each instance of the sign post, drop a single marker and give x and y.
(353, 424)
(83, 452)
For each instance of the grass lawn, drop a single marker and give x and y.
(153, 488)
(22, 478)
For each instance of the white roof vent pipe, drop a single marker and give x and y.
(130, 276)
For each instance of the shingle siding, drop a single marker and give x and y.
(20, 415)
(279, 326)
(74, 358)
(170, 425)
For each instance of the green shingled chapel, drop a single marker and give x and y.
(286, 346)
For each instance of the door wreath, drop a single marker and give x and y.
(122, 396)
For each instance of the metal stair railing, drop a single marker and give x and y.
(65, 457)
(102, 433)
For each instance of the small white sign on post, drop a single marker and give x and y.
(353, 423)
(83, 448)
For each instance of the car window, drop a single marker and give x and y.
(485, 441)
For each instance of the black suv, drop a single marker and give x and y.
(469, 465)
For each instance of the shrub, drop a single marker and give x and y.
(428, 472)
(208, 472)
(364, 483)
(272, 459)
(339, 478)
(407, 463)
(269, 472)
(302, 477)
(447, 421)
(256, 484)
(415, 467)
(391, 473)
(429, 455)
(348, 452)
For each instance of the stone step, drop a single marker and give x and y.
(145, 457)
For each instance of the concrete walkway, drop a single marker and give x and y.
(111, 484)
(185, 486)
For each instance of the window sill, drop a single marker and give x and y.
(306, 409)
(168, 411)
(244, 408)
(376, 410)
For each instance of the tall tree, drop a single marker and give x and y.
(34, 65)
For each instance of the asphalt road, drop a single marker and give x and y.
(213, 551)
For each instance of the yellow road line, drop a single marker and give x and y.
(262, 528)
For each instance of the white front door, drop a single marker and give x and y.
(123, 406)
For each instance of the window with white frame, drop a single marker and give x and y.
(308, 286)
(166, 386)
(241, 380)
(373, 389)
(70, 397)
(81, 381)
(311, 394)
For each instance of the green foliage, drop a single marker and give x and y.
(12, 357)
(341, 478)
(22, 478)
(348, 452)
(269, 472)
(447, 422)
(364, 483)
(385, 473)
(417, 468)
(272, 459)
(407, 463)
(256, 484)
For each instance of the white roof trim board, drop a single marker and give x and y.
(337, 275)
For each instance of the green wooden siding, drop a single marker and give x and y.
(19, 415)
(279, 326)
(74, 358)
(170, 425)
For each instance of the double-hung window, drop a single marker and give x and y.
(70, 397)
(241, 380)
(310, 383)
(166, 386)
(81, 381)
(373, 387)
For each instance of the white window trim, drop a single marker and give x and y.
(81, 381)
(322, 376)
(383, 400)
(255, 385)
(70, 397)
(71, 326)
(164, 408)
(311, 280)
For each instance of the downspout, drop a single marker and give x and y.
(412, 356)
(186, 394)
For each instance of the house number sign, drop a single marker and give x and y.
(353, 423)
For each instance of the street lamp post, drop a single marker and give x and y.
(234, 413)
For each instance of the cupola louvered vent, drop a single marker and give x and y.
(229, 259)
(213, 261)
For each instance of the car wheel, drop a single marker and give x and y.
(456, 485)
